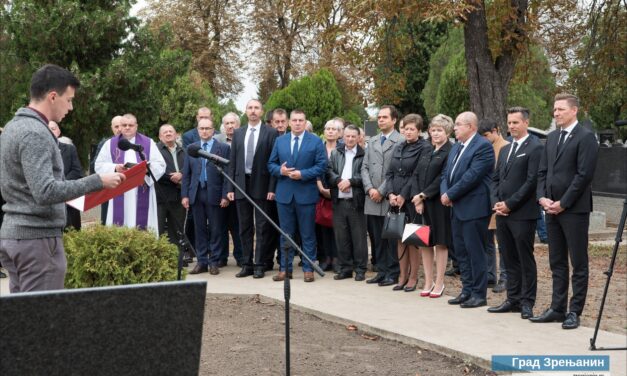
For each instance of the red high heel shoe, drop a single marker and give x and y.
(437, 294)
(425, 293)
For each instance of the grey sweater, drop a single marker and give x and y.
(32, 180)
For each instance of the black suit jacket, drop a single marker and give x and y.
(171, 192)
(261, 182)
(516, 182)
(428, 172)
(71, 165)
(566, 176)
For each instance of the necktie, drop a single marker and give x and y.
(203, 173)
(562, 139)
(295, 149)
(383, 138)
(459, 152)
(511, 155)
(250, 151)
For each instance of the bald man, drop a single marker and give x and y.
(465, 188)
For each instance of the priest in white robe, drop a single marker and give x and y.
(137, 207)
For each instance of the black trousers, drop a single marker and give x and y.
(349, 226)
(383, 249)
(516, 239)
(568, 236)
(254, 231)
(169, 215)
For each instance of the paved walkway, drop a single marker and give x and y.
(471, 334)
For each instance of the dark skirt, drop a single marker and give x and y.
(438, 217)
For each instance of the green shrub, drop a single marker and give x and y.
(104, 256)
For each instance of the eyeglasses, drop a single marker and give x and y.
(205, 128)
(127, 125)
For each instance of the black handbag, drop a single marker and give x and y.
(393, 224)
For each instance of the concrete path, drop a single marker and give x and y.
(471, 334)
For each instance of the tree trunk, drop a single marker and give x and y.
(488, 79)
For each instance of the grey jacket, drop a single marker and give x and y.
(374, 167)
(32, 179)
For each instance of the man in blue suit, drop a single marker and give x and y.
(191, 135)
(465, 188)
(298, 158)
(203, 189)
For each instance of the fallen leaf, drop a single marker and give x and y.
(370, 337)
(351, 328)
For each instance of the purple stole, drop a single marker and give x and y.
(143, 191)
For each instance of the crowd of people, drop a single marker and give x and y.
(330, 196)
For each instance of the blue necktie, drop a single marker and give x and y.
(295, 149)
(203, 173)
(383, 138)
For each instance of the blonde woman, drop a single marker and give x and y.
(426, 200)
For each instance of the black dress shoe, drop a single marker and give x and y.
(214, 270)
(360, 276)
(506, 306)
(376, 279)
(259, 273)
(343, 275)
(549, 316)
(199, 269)
(474, 303)
(571, 322)
(399, 287)
(526, 312)
(387, 282)
(459, 299)
(245, 272)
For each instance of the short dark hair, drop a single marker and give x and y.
(487, 125)
(297, 111)
(278, 111)
(352, 128)
(414, 119)
(269, 116)
(393, 111)
(522, 110)
(49, 78)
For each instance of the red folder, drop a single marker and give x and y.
(134, 178)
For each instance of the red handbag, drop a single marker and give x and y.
(324, 212)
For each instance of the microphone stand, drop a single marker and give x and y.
(608, 273)
(183, 241)
(286, 282)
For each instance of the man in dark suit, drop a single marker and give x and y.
(564, 191)
(250, 150)
(298, 159)
(191, 135)
(169, 208)
(465, 188)
(514, 203)
(205, 191)
(73, 171)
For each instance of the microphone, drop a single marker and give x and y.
(125, 145)
(195, 151)
(620, 123)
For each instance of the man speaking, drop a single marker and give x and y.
(33, 185)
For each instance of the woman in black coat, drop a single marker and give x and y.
(425, 192)
(398, 191)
